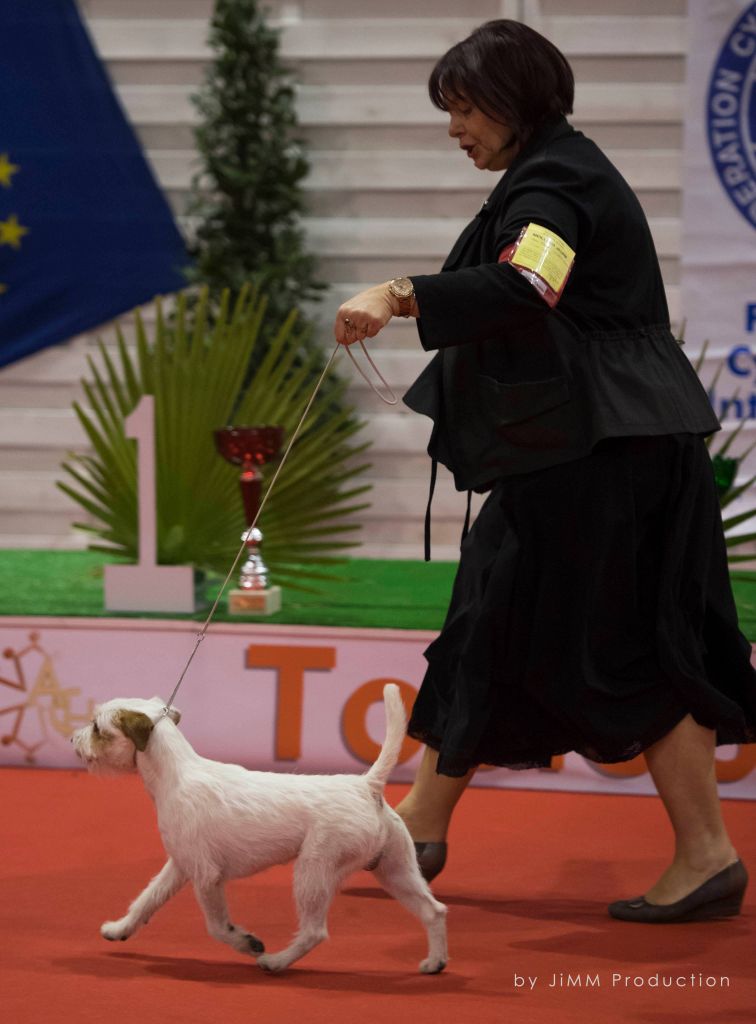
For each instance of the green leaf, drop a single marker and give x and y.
(738, 539)
(734, 492)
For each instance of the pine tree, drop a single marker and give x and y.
(247, 200)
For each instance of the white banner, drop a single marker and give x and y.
(719, 202)
(278, 698)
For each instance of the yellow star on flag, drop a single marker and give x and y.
(6, 170)
(11, 232)
(3, 289)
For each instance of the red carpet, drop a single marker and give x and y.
(528, 881)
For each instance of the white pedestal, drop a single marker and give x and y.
(147, 586)
(150, 588)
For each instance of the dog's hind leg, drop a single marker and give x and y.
(398, 873)
(212, 898)
(164, 885)
(315, 885)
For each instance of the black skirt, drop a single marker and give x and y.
(591, 611)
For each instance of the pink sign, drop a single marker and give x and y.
(277, 698)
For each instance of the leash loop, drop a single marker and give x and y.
(392, 400)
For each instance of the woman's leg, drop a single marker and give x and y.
(682, 767)
(427, 809)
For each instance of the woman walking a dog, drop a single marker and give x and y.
(592, 608)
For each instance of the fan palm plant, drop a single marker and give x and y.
(196, 375)
(726, 465)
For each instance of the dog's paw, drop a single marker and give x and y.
(256, 946)
(244, 942)
(432, 965)
(115, 931)
(273, 963)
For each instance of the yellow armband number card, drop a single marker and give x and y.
(543, 258)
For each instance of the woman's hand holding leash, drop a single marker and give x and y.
(366, 314)
(362, 317)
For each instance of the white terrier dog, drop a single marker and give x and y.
(220, 821)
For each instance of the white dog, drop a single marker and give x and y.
(220, 821)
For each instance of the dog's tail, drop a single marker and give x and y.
(396, 722)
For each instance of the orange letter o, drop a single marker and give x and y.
(621, 769)
(738, 767)
(354, 716)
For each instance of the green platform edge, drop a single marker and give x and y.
(368, 593)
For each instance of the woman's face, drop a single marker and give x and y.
(491, 145)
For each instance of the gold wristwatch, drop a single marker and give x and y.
(403, 290)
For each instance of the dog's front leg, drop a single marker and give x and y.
(164, 885)
(315, 885)
(212, 899)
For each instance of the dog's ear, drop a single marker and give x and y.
(137, 726)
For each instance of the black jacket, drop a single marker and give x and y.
(518, 386)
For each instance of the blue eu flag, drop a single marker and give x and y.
(85, 233)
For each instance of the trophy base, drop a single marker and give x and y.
(254, 602)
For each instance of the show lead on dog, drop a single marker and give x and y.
(592, 608)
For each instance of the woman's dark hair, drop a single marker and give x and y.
(510, 72)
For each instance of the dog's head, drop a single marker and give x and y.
(120, 728)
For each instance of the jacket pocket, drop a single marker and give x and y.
(505, 404)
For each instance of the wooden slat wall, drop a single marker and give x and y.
(387, 195)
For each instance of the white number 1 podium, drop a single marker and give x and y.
(147, 586)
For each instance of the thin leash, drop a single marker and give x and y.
(392, 400)
(389, 401)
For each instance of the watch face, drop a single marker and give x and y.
(402, 287)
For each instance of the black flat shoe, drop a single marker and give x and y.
(431, 858)
(721, 896)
